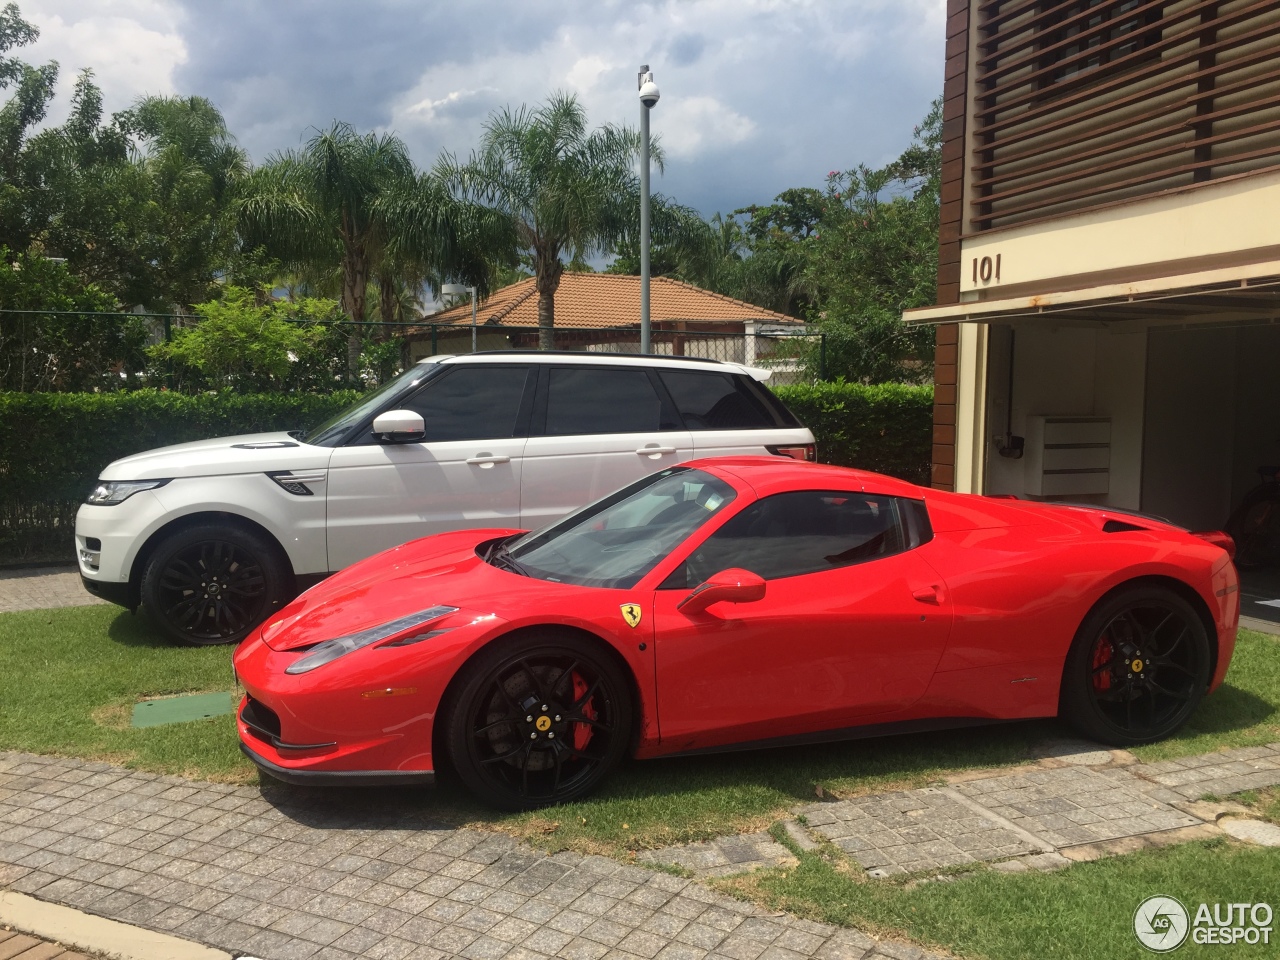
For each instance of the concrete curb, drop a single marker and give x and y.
(83, 931)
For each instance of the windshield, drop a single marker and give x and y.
(334, 430)
(616, 541)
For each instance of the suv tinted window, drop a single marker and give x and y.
(715, 401)
(800, 532)
(602, 400)
(472, 403)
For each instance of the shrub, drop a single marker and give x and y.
(885, 427)
(54, 445)
(256, 344)
(64, 342)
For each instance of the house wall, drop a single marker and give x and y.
(1127, 152)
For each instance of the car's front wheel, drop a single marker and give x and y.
(537, 720)
(210, 584)
(1138, 667)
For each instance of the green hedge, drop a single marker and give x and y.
(53, 446)
(885, 427)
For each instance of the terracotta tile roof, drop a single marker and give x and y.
(596, 300)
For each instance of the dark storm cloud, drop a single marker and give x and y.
(757, 96)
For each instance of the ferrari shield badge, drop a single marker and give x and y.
(631, 614)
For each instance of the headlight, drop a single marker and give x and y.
(110, 492)
(331, 650)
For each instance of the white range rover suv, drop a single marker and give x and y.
(210, 537)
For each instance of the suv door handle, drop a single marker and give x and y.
(654, 450)
(487, 460)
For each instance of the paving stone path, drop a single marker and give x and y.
(288, 873)
(1078, 803)
(21, 946)
(39, 588)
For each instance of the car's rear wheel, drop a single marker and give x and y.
(537, 720)
(210, 584)
(1138, 667)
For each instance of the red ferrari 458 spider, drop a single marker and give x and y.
(730, 603)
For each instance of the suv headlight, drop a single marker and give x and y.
(331, 650)
(110, 492)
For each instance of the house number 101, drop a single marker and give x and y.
(986, 269)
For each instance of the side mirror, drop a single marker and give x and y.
(733, 586)
(399, 426)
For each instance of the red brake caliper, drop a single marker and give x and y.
(1102, 654)
(582, 731)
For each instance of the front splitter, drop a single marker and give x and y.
(339, 778)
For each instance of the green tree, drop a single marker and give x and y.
(53, 339)
(250, 343)
(351, 206)
(568, 192)
(873, 254)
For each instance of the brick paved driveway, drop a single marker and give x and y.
(37, 588)
(284, 873)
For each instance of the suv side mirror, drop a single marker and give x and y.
(733, 586)
(399, 426)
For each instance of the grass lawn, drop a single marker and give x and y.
(69, 679)
(1084, 912)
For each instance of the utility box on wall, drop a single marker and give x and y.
(1068, 456)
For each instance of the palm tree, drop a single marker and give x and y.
(567, 191)
(355, 201)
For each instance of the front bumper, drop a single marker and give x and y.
(339, 778)
(118, 593)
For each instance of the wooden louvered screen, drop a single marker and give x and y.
(1083, 103)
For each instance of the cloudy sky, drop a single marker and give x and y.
(757, 95)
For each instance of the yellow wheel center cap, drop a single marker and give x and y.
(543, 723)
(1137, 666)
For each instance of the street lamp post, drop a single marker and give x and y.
(648, 98)
(457, 290)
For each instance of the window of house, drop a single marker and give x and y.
(1092, 25)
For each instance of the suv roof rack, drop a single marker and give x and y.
(585, 353)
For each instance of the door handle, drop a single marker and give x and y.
(654, 450)
(486, 460)
(931, 594)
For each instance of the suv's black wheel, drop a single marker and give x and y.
(537, 720)
(1137, 668)
(211, 584)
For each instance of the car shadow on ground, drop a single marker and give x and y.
(135, 630)
(1225, 711)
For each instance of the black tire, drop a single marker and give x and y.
(211, 584)
(537, 720)
(1137, 668)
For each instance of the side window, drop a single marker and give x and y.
(602, 400)
(472, 403)
(715, 401)
(801, 532)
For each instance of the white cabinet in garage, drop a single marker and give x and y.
(1068, 456)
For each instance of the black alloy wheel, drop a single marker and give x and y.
(538, 721)
(210, 585)
(1138, 667)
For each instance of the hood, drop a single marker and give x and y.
(443, 570)
(251, 453)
